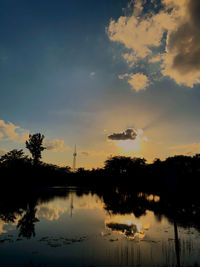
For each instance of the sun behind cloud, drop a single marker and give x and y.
(129, 140)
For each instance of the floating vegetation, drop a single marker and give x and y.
(3, 240)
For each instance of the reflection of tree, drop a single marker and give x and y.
(26, 224)
(22, 204)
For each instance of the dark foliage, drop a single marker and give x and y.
(35, 146)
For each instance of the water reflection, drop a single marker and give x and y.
(26, 224)
(99, 228)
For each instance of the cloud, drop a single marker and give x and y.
(128, 134)
(130, 140)
(137, 81)
(156, 58)
(130, 58)
(24, 136)
(10, 131)
(92, 74)
(56, 145)
(84, 153)
(189, 149)
(139, 34)
(174, 30)
(92, 153)
(182, 57)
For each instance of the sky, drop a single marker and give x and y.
(114, 77)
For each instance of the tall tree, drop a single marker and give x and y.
(35, 146)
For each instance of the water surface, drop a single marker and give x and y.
(78, 228)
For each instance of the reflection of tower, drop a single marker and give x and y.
(74, 159)
(71, 206)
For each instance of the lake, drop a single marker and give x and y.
(74, 227)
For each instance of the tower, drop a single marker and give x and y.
(74, 159)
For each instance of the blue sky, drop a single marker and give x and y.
(78, 71)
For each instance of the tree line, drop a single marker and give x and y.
(177, 172)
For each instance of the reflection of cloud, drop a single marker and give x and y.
(176, 26)
(56, 145)
(88, 202)
(2, 224)
(51, 212)
(90, 205)
(127, 230)
(127, 226)
(5, 227)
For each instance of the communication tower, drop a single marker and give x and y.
(74, 159)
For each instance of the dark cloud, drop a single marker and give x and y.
(184, 41)
(128, 134)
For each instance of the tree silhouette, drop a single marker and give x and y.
(13, 158)
(121, 164)
(35, 146)
(118, 164)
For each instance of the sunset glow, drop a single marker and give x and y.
(97, 72)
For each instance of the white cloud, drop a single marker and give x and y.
(10, 131)
(137, 81)
(142, 33)
(130, 59)
(56, 145)
(157, 58)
